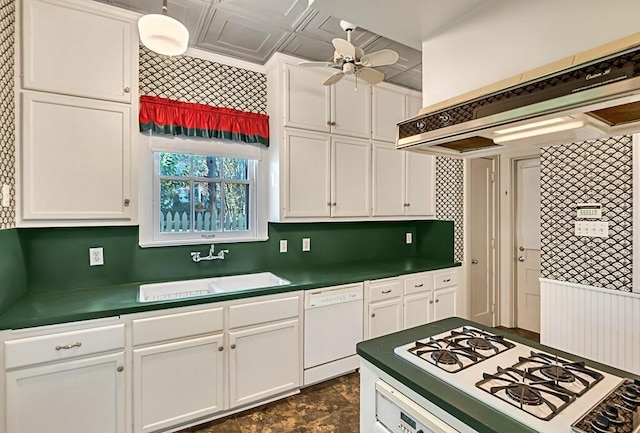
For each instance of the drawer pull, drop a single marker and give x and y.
(386, 292)
(418, 285)
(69, 346)
(447, 280)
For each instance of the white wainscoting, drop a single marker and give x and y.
(595, 323)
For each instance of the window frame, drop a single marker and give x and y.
(149, 188)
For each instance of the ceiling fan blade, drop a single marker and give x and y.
(345, 48)
(333, 78)
(312, 64)
(380, 58)
(369, 75)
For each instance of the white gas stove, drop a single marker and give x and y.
(540, 390)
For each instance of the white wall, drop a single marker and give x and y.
(503, 38)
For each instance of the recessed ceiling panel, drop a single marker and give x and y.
(409, 57)
(238, 36)
(411, 78)
(282, 13)
(324, 27)
(309, 49)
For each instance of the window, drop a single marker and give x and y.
(204, 196)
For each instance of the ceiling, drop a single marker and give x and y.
(253, 30)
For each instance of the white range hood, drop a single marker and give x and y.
(586, 96)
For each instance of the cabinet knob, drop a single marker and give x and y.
(333, 204)
(373, 314)
(329, 203)
(127, 90)
(437, 300)
(408, 204)
(127, 202)
(120, 369)
(220, 349)
(431, 302)
(233, 346)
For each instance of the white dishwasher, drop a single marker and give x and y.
(332, 328)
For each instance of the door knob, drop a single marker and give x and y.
(474, 261)
(521, 258)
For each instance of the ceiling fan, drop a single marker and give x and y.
(351, 60)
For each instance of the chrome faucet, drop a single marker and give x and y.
(195, 255)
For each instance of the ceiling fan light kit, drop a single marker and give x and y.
(351, 60)
(163, 34)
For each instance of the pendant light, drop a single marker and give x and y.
(163, 34)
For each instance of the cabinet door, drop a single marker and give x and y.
(420, 184)
(76, 51)
(385, 317)
(351, 177)
(351, 108)
(76, 158)
(444, 303)
(387, 194)
(177, 382)
(263, 361)
(414, 104)
(70, 397)
(388, 110)
(417, 309)
(307, 168)
(306, 99)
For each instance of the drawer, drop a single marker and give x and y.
(384, 289)
(446, 279)
(418, 283)
(62, 346)
(257, 312)
(177, 326)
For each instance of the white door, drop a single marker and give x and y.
(69, 170)
(177, 382)
(386, 192)
(70, 397)
(307, 169)
(482, 234)
(528, 244)
(388, 110)
(263, 361)
(418, 309)
(385, 317)
(350, 177)
(420, 185)
(307, 101)
(351, 108)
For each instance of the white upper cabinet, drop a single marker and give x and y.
(76, 50)
(338, 109)
(403, 182)
(76, 156)
(390, 106)
(350, 177)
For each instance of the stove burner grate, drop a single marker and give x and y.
(524, 394)
(558, 373)
(445, 357)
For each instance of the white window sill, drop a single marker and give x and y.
(182, 242)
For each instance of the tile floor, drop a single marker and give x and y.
(331, 407)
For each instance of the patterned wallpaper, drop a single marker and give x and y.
(450, 198)
(190, 79)
(7, 109)
(596, 171)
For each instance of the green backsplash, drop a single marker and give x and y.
(58, 258)
(13, 279)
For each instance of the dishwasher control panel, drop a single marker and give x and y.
(334, 295)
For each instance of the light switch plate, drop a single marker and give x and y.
(306, 244)
(409, 238)
(592, 229)
(283, 245)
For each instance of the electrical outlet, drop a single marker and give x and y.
(306, 244)
(6, 195)
(283, 245)
(409, 238)
(96, 257)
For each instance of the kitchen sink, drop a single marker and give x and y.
(207, 286)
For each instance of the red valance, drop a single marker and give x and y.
(165, 116)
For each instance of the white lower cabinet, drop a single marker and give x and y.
(66, 382)
(444, 301)
(385, 317)
(177, 382)
(263, 361)
(417, 309)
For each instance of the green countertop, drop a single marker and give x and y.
(94, 303)
(481, 417)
